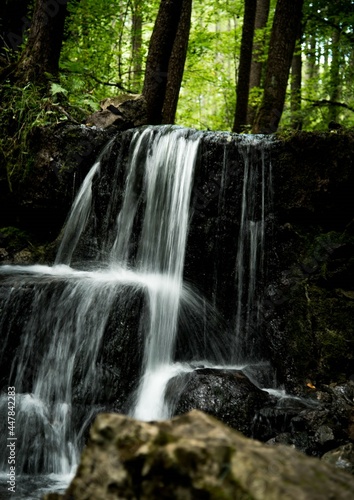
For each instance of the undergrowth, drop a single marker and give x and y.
(22, 111)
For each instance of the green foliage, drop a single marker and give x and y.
(106, 45)
(23, 109)
(207, 98)
(328, 69)
(97, 58)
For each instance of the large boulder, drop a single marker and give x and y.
(195, 457)
(226, 394)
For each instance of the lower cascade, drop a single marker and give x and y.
(125, 309)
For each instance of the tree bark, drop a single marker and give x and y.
(262, 13)
(42, 52)
(158, 59)
(176, 64)
(311, 61)
(137, 43)
(334, 75)
(243, 80)
(282, 43)
(296, 79)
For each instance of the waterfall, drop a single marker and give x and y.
(161, 253)
(256, 202)
(130, 292)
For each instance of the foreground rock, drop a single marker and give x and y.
(194, 457)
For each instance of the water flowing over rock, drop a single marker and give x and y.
(218, 392)
(183, 262)
(195, 456)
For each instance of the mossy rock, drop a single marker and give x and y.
(14, 239)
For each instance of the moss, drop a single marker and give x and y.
(23, 247)
(332, 315)
(318, 305)
(14, 239)
(23, 111)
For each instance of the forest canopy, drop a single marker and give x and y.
(105, 48)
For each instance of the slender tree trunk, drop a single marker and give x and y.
(137, 42)
(42, 52)
(282, 43)
(311, 60)
(262, 13)
(158, 59)
(123, 15)
(243, 80)
(176, 64)
(296, 80)
(334, 76)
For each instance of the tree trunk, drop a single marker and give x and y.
(243, 80)
(311, 60)
(296, 79)
(262, 13)
(158, 59)
(334, 76)
(137, 42)
(176, 64)
(282, 43)
(42, 52)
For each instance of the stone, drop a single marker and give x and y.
(3, 254)
(341, 457)
(194, 456)
(24, 257)
(218, 393)
(122, 112)
(314, 424)
(62, 156)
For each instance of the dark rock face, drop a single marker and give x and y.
(218, 393)
(306, 317)
(118, 360)
(309, 302)
(196, 457)
(42, 199)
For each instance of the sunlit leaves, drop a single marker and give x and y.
(99, 48)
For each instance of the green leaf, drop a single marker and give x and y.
(55, 88)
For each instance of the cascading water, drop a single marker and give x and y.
(256, 201)
(68, 313)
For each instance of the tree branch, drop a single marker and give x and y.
(109, 84)
(327, 102)
(117, 84)
(327, 22)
